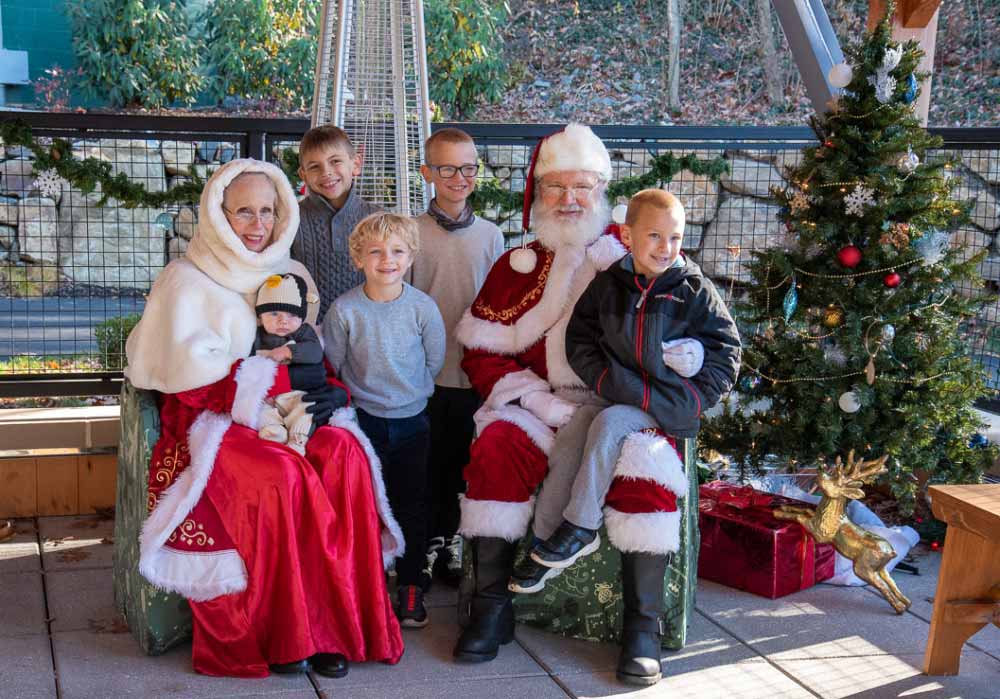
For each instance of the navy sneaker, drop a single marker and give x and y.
(528, 577)
(565, 546)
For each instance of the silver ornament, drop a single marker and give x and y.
(888, 333)
(932, 245)
(907, 162)
(849, 402)
(835, 355)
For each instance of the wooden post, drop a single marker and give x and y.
(918, 20)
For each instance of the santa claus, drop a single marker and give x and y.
(514, 337)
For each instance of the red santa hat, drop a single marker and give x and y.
(575, 147)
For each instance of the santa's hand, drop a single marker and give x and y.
(549, 408)
(685, 356)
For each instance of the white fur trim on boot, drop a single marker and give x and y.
(254, 379)
(197, 576)
(495, 518)
(649, 456)
(643, 532)
(393, 543)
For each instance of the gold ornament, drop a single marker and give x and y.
(832, 316)
(898, 235)
(828, 523)
(870, 371)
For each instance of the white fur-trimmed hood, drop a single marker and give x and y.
(218, 251)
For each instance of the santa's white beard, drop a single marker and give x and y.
(555, 232)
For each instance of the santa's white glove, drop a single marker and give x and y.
(549, 408)
(685, 356)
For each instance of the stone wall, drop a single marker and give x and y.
(116, 247)
(111, 246)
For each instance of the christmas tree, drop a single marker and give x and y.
(852, 328)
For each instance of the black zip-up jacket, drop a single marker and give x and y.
(614, 335)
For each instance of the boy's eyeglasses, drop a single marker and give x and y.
(558, 191)
(448, 171)
(245, 216)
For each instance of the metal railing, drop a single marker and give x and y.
(67, 267)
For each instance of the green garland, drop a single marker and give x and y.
(88, 173)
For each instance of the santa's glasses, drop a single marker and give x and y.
(558, 191)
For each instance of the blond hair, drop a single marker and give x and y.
(446, 135)
(380, 226)
(652, 198)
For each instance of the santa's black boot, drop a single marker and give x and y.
(491, 621)
(642, 590)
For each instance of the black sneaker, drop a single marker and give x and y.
(565, 546)
(410, 607)
(529, 577)
(449, 560)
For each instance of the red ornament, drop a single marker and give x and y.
(849, 256)
(892, 280)
(935, 545)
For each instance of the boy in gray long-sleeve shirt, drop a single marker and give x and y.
(458, 249)
(386, 341)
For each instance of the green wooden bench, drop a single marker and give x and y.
(159, 620)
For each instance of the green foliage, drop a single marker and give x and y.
(263, 50)
(111, 335)
(464, 52)
(490, 194)
(916, 404)
(135, 52)
(91, 174)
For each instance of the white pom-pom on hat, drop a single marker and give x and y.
(523, 260)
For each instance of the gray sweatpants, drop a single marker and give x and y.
(582, 465)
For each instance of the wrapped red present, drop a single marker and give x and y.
(744, 546)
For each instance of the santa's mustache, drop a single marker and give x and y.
(553, 231)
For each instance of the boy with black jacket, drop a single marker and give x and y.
(651, 336)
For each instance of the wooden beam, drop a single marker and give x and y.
(910, 14)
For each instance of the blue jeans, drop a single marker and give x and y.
(402, 445)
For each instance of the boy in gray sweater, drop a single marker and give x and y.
(386, 341)
(458, 250)
(328, 165)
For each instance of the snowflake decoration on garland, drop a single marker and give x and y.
(856, 201)
(799, 203)
(49, 183)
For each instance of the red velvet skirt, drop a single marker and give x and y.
(308, 532)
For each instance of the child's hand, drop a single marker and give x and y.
(685, 356)
(282, 354)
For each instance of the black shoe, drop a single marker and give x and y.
(292, 668)
(639, 662)
(491, 613)
(491, 626)
(529, 577)
(410, 607)
(329, 664)
(565, 546)
(449, 560)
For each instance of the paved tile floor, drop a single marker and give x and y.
(61, 637)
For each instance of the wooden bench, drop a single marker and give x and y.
(968, 588)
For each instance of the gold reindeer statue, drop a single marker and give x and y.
(828, 523)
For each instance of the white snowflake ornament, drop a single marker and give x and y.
(884, 85)
(49, 183)
(891, 58)
(799, 202)
(856, 201)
